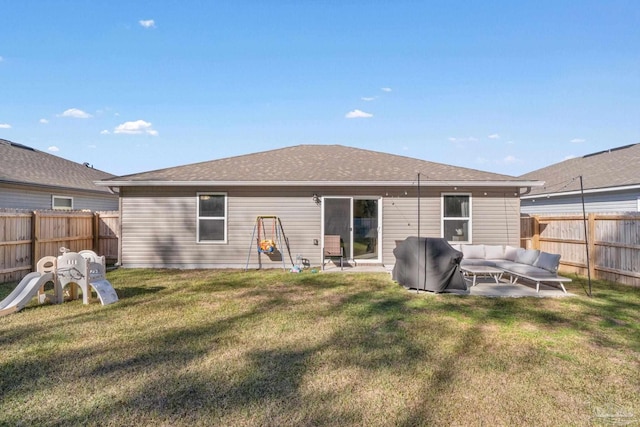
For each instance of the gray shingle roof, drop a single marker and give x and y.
(20, 164)
(610, 168)
(315, 163)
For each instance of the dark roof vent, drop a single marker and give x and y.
(24, 147)
(610, 150)
(15, 144)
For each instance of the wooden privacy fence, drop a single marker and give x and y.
(25, 237)
(613, 243)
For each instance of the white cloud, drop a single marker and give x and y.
(385, 89)
(510, 160)
(467, 139)
(368, 98)
(494, 136)
(75, 113)
(569, 157)
(92, 146)
(136, 128)
(43, 121)
(357, 114)
(104, 132)
(577, 140)
(510, 142)
(5, 126)
(147, 23)
(1, 59)
(53, 148)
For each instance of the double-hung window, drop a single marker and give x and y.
(456, 217)
(212, 217)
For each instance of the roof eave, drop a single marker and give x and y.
(430, 183)
(55, 187)
(586, 191)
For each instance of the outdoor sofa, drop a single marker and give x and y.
(530, 264)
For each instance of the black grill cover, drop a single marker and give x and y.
(428, 263)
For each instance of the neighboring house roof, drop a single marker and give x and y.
(24, 165)
(317, 164)
(614, 169)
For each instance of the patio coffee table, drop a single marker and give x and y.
(481, 270)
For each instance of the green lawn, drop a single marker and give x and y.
(273, 348)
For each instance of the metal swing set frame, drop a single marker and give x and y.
(266, 245)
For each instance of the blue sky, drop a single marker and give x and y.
(502, 86)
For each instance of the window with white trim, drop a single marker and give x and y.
(212, 218)
(61, 203)
(456, 217)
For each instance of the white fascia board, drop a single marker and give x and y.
(589, 191)
(319, 183)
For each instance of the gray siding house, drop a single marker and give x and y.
(33, 180)
(611, 182)
(203, 215)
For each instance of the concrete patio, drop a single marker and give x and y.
(489, 288)
(485, 287)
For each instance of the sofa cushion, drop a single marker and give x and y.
(529, 270)
(473, 251)
(477, 261)
(505, 264)
(548, 261)
(494, 251)
(527, 256)
(510, 253)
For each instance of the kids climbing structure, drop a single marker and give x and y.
(86, 270)
(70, 270)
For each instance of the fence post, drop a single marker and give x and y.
(35, 237)
(119, 230)
(592, 244)
(96, 232)
(535, 240)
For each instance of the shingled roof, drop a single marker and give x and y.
(20, 164)
(317, 164)
(617, 167)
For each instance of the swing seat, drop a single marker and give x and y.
(267, 246)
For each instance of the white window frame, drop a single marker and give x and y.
(469, 220)
(216, 218)
(61, 208)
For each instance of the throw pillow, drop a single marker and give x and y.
(510, 253)
(494, 252)
(473, 251)
(527, 256)
(548, 261)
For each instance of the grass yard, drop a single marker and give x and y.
(184, 348)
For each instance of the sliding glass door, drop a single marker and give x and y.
(337, 220)
(357, 222)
